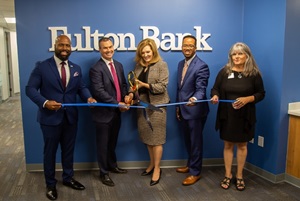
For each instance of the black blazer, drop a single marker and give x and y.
(104, 91)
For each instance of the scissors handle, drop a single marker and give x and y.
(131, 79)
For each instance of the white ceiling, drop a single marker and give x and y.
(7, 9)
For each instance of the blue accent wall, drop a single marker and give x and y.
(291, 72)
(273, 33)
(264, 29)
(270, 28)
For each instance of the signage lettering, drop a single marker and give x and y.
(126, 41)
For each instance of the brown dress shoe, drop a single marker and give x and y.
(183, 170)
(190, 180)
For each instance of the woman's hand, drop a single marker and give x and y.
(214, 99)
(142, 84)
(241, 102)
(128, 99)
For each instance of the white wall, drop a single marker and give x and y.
(4, 77)
(3, 66)
(14, 62)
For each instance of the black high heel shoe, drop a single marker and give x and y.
(152, 183)
(145, 173)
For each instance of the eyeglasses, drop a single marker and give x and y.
(188, 46)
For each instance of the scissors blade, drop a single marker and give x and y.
(147, 119)
(150, 106)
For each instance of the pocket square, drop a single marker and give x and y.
(75, 74)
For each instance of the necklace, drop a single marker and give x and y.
(240, 75)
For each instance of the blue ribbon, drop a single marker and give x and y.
(135, 106)
(98, 105)
(197, 101)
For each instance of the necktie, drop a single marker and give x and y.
(63, 74)
(116, 81)
(184, 71)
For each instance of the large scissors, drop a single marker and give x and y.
(134, 87)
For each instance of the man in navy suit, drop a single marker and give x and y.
(108, 85)
(192, 80)
(53, 82)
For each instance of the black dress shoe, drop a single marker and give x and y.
(145, 173)
(51, 193)
(74, 184)
(152, 182)
(118, 170)
(105, 179)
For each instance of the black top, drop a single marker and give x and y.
(144, 78)
(237, 125)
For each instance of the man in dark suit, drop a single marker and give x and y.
(108, 85)
(192, 81)
(53, 82)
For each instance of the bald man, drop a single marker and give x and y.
(53, 82)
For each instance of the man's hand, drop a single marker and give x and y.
(123, 107)
(91, 100)
(52, 105)
(178, 116)
(191, 101)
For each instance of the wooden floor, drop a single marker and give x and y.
(18, 185)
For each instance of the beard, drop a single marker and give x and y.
(61, 56)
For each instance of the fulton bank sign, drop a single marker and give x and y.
(127, 41)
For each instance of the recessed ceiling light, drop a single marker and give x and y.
(10, 20)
